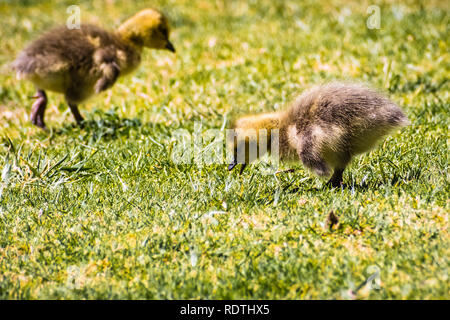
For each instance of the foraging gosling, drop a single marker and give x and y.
(326, 126)
(82, 62)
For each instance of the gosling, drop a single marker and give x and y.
(86, 61)
(325, 127)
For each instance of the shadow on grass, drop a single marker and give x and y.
(413, 174)
(102, 125)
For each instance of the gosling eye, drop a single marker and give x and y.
(164, 32)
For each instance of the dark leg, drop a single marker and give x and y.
(336, 179)
(38, 109)
(76, 113)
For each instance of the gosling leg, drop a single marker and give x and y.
(336, 178)
(38, 109)
(76, 113)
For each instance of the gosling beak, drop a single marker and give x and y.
(234, 164)
(170, 47)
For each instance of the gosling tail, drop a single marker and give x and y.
(396, 117)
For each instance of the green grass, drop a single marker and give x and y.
(104, 213)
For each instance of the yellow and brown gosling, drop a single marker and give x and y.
(325, 127)
(85, 61)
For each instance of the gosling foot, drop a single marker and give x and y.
(38, 109)
(336, 180)
(76, 114)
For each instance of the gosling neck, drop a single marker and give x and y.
(280, 121)
(273, 123)
(132, 50)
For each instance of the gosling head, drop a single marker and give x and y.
(251, 138)
(148, 28)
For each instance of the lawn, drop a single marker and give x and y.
(105, 212)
